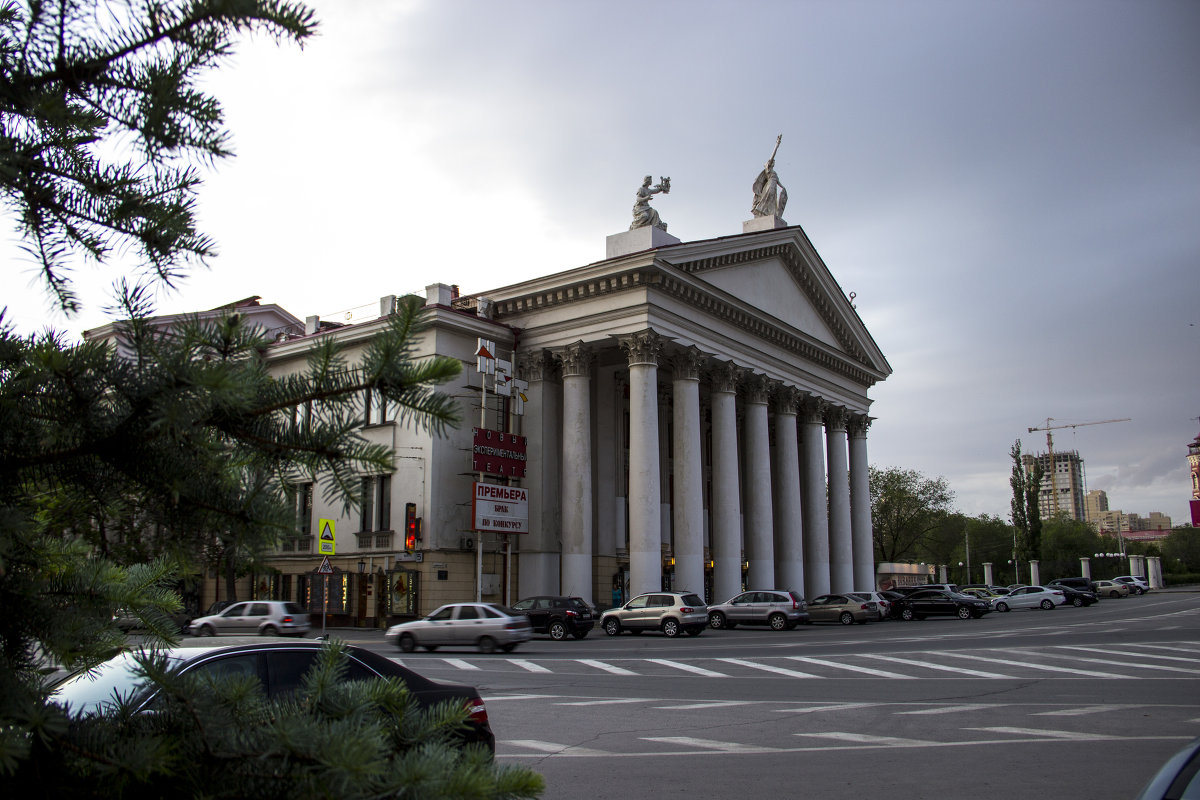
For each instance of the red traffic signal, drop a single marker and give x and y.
(410, 526)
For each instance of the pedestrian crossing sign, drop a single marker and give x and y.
(326, 544)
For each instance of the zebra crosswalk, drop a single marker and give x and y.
(1149, 662)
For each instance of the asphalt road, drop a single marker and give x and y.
(1080, 703)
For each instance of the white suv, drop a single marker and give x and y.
(669, 612)
(1136, 583)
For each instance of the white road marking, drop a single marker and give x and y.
(528, 665)
(498, 698)
(943, 667)
(602, 702)
(710, 744)
(556, 749)
(818, 709)
(879, 673)
(707, 673)
(791, 673)
(1081, 736)
(1160, 667)
(862, 738)
(606, 667)
(1078, 712)
(949, 709)
(1045, 668)
(1127, 654)
(717, 704)
(459, 663)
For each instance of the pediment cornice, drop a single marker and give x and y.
(666, 278)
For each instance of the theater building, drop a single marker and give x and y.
(695, 416)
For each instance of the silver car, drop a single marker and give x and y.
(487, 626)
(1030, 597)
(262, 617)
(782, 610)
(669, 612)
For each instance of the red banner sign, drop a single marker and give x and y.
(496, 453)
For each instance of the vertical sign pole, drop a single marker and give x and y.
(325, 606)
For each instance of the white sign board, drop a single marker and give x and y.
(501, 509)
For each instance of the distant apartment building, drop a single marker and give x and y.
(1062, 484)
(1194, 463)
(1095, 503)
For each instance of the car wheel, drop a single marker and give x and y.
(1141, 591)
(1114, 593)
(612, 627)
(846, 618)
(508, 648)
(1077, 602)
(964, 612)
(557, 631)
(716, 620)
(208, 630)
(777, 622)
(406, 642)
(580, 634)
(487, 644)
(907, 614)
(269, 630)
(1002, 606)
(670, 627)
(1047, 604)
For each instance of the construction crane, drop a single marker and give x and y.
(1050, 448)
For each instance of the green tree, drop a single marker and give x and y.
(1026, 513)
(106, 455)
(906, 507)
(992, 542)
(1064, 542)
(101, 119)
(1181, 550)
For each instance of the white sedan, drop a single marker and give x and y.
(1030, 597)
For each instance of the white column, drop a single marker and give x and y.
(577, 471)
(539, 559)
(988, 578)
(861, 529)
(1035, 572)
(1085, 567)
(688, 505)
(841, 547)
(645, 520)
(816, 513)
(726, 491)
(759, 516)
(789, 523)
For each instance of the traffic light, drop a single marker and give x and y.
(410, 526)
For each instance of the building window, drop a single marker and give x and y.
(375, 408)
(376, 499)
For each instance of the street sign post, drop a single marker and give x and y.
(326, 543)
(325, 570)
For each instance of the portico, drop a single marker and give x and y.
(701, 410)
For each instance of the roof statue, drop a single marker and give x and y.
(643, 215)
(769, 195)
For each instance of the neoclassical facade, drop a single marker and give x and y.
(697, 418)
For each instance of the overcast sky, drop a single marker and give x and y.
(1011, 190)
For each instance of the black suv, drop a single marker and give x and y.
(1084, 584)
(557, 616)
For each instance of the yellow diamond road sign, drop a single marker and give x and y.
(326, 542)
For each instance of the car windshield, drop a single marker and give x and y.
(89, 691)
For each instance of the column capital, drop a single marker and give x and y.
(724, 376)
(785, 400)
(835, 418)
(757, 388)
(577, 360)
(686, 363)
(812, 408)
(858, 424)
(541, 365)
(643, 347)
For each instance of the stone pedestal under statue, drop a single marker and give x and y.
(637, 240)
(768, 223)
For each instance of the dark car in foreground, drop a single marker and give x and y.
(279, 667)
(1178, 778)
(941, 603)
(558, 616)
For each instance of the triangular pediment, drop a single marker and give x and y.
(770, 286)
